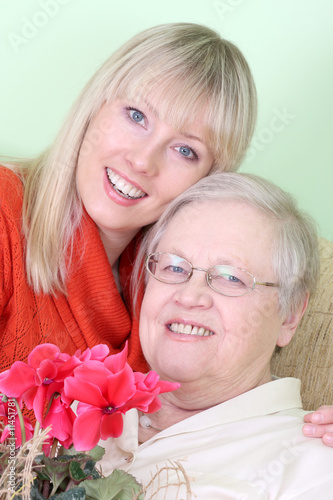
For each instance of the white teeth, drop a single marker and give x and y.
(187, 329)
(126, 189)
(123, 187)
(190, 330)
(132, 192)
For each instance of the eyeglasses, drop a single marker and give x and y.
(226, 280)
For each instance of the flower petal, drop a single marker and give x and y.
(86, 430)
(15, 381)
(46, 370)
(86, 392)
(141, 400)
(165, 386)
(41, 352)
(61, 419)
(116, 362)
(66, 368)
(93, 372)
(111, 425)
(120, 387)
(100, 352)
(39, 402)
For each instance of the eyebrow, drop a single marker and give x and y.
(185, 134)
(219, 261)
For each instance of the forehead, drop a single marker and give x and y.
(224, 231)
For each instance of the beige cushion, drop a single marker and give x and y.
(309, 356)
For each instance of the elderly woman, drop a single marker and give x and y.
(230, 268)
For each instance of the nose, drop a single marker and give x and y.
(195, 292)
(143, 157)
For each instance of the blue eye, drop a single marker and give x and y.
(187, 152)
(232, 278)
(184, 151)
(136, 115)
(176, 269)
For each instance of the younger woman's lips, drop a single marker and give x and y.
(123, 185)
(116, 197)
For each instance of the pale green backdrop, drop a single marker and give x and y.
(49, 48)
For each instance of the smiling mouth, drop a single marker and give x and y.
(190, 330)
(124, 188)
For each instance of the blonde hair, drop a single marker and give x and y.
(195, 71)
(295, 256)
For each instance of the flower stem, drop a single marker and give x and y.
(54, 448)
(46, 489)
(20, 416)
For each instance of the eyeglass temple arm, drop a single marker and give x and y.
(266, 283)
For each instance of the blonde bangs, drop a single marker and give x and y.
(177, 104)
(205, 77)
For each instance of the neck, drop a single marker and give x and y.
(115, 243)
(171, 412)
(189, 400)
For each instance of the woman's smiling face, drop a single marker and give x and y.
(132, 164)
(235, 356)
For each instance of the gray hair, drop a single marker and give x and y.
(295, 256)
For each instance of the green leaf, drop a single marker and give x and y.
(90, 469)
(57, 470)
(41, 476)
(78, 457)
(96, 453)
(76, 472)
(77, 493)
(39, 458)
(34, 493)
(118, 486)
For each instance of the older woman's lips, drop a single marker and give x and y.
(190, 330)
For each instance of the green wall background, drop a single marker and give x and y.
(49, 49)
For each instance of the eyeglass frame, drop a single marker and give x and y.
(255, 282)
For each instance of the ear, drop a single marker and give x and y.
(291, 322)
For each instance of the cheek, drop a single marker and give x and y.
(257, 317)
(92, 144)
(99, 136)
(157, 298)
(149, 309)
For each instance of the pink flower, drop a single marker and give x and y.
(17, 380)
(61, 419)
(151, 384)
(12, 428)
(105, 391)
(36, 381)
(102, 395)
(98, 352)
(105, 386)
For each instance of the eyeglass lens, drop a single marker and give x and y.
(224, 279)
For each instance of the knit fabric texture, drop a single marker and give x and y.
(93, 311)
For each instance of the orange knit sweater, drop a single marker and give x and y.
(93, 311)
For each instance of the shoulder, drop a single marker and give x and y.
(10, 181)
(11, 192)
